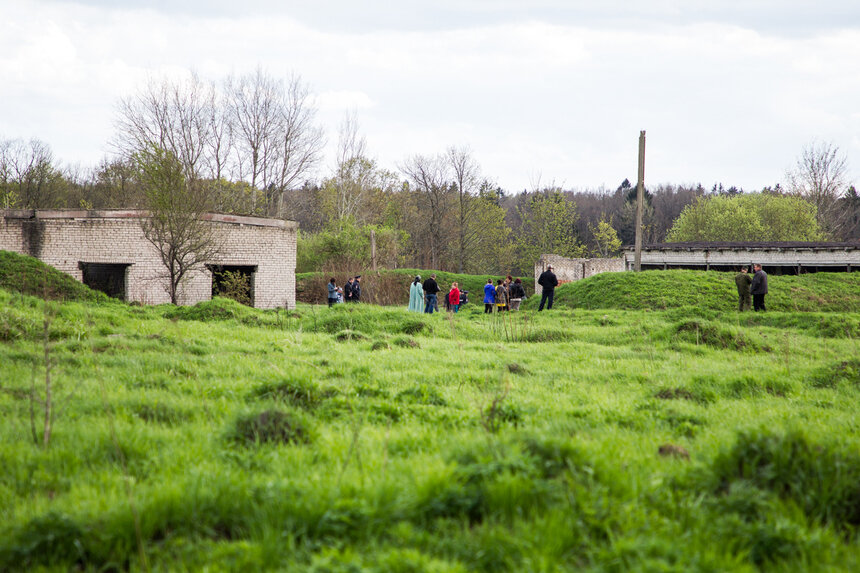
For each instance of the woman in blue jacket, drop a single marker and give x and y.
(489, 296)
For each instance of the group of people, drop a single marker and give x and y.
(506, 295)
(350, 292)
(424, 297)
(754, 286)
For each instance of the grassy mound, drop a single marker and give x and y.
(707, 291)
(27, 275)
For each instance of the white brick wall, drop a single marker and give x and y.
(63, 239)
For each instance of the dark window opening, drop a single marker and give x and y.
(234, 281)
(108, 278)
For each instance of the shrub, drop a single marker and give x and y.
(422, 394)
(714, 334)
(350, 335)
(270, 426)
(405, 342)
(846, 371)
(50, 539)
(821, 479)
(303, 393)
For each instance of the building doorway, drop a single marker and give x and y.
(109, 278)
(234, 281)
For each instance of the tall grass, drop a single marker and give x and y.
(223, 437)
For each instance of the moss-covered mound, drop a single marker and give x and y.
(27, 275)
(658, 290)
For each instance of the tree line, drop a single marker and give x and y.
(250, 144)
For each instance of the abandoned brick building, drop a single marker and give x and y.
(778, 258)
(107, 250)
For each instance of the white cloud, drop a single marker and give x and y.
(722, 100)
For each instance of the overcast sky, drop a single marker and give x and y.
(543, 92)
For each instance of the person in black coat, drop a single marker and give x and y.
(548, 281)
(356, 289)
(518, 293)
(347, 290)
(758, 288)
(431, 288)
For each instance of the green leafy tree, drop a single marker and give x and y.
(487, 235)
(547, 227)
(346, 246)
(605, 238)
(753, 217)
(175, 225)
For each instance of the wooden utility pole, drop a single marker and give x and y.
(640, 198)
(373, 249)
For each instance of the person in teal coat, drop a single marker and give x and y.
(416, 296)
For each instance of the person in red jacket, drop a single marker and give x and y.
(454, 298)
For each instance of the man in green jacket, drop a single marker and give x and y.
(743, 280)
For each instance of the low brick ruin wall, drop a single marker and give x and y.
(69, 240)
(567, 270)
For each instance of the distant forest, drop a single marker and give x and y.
(250, 145)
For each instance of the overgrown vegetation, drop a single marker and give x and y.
(683, 437)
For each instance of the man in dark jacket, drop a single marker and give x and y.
(356, 289)
(430, 291)
(548, 281)
(347, 290)
(743, 280)
(758, 288)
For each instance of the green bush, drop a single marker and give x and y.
(821, 478)
(270, 426)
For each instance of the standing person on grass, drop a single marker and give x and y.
(347, 290)
(454, 298)
(758, 288)
(548, 281)
(489, 296)
(743, 281)
(332, 292)
(430, 291)
(416, 295)
(501, 296)
(356, 289)
(517, 294)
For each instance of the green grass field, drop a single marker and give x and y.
(678, 436)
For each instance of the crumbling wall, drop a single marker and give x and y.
(567, 270)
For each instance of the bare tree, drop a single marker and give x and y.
(175, 223)
(350, 178)
(276, 140)
(171, 115)
(430, 177)
(28, 177)
(254, 102)
(221, 141)
(821, 176)
(466, 173)
(300, 142)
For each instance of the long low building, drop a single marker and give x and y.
(107, 250)
(776, 257)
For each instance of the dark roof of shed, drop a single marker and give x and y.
(754, 245)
